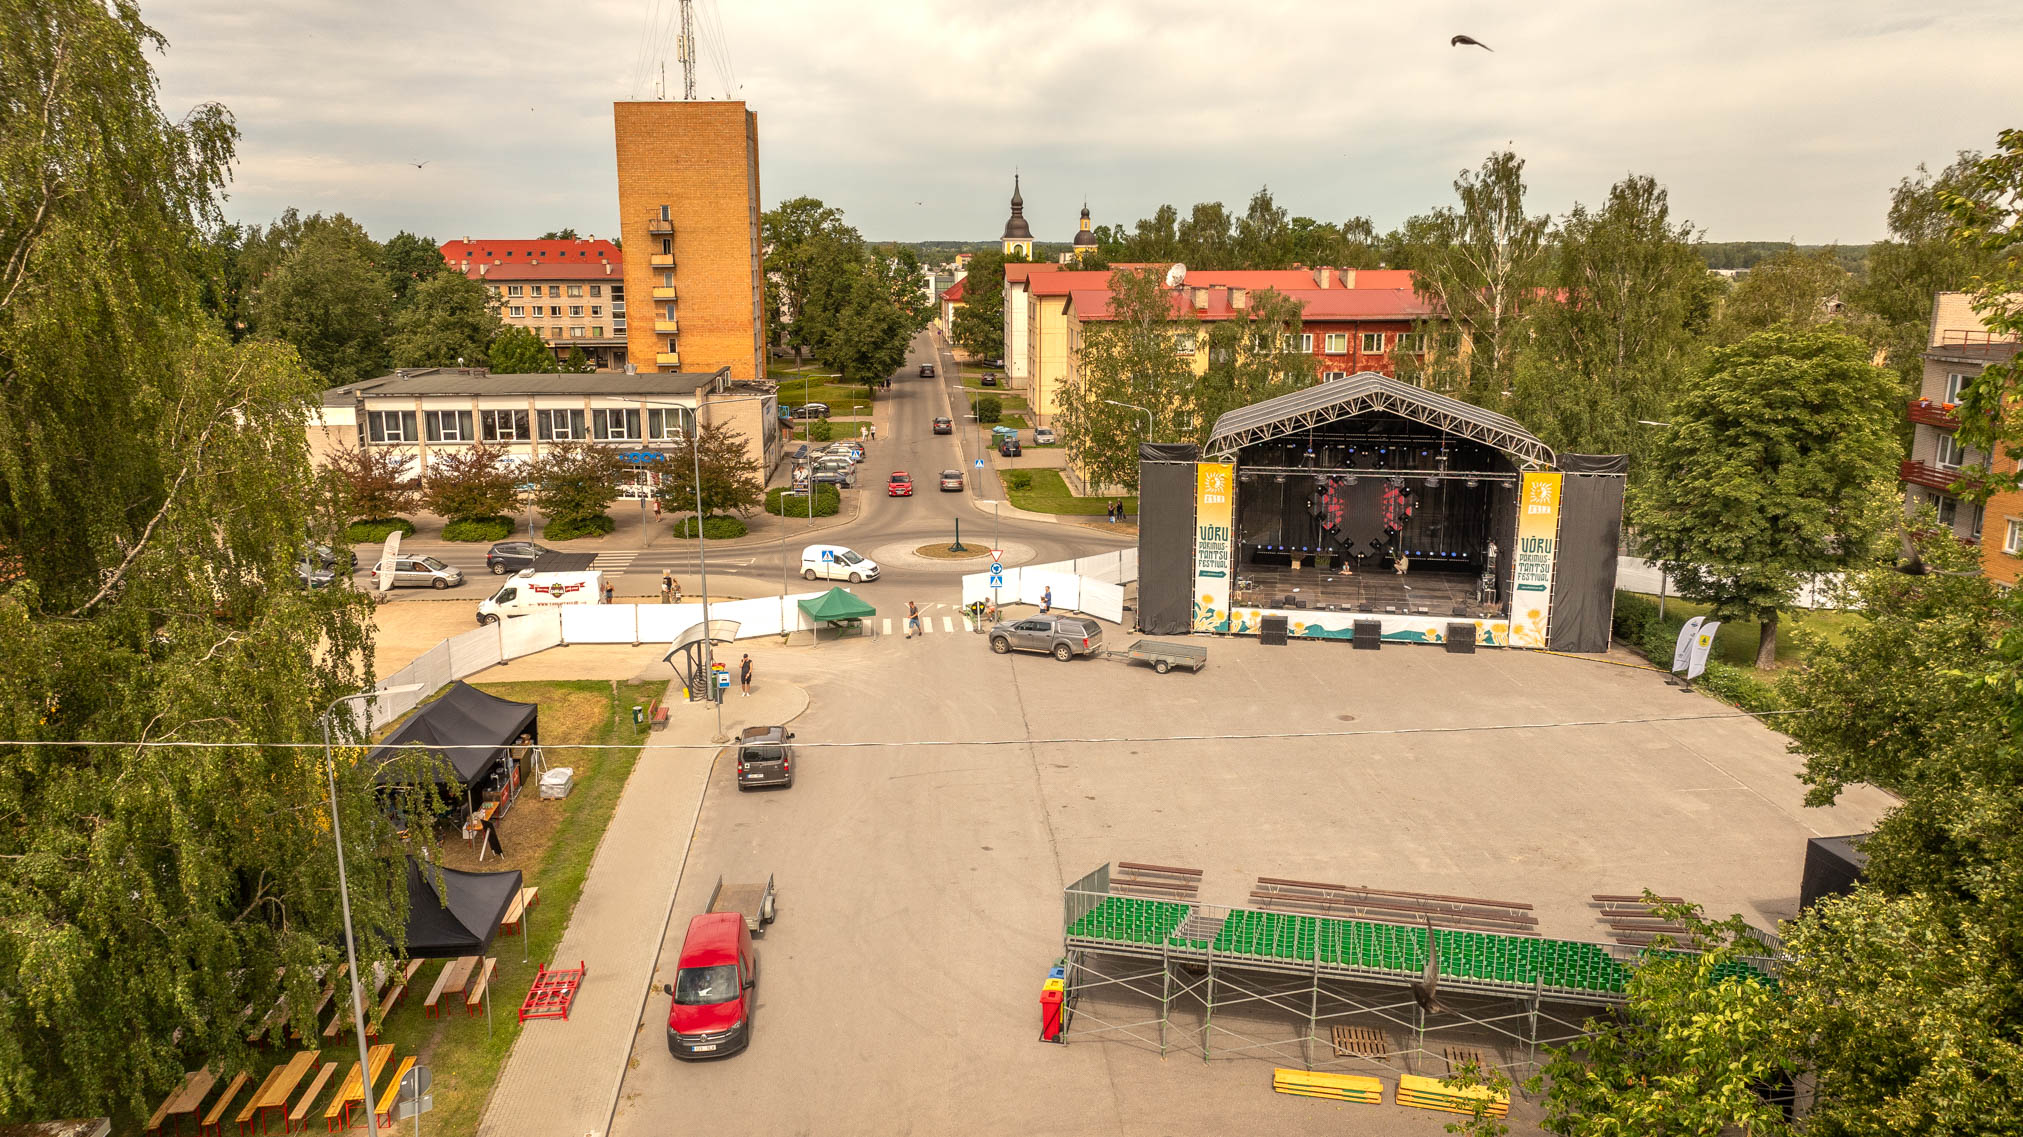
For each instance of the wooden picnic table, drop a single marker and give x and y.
(273, 1093)
(184, 1099)
(352, 1090)
(455, 975)
(342, 1019)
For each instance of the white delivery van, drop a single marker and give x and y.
(528, 591)
(836, 562)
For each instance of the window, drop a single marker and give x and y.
(597, 331)
(1184, 343)
(576, 310)
(596, 290)
(1331, 375)
(1980, 519)
(1953, 385)
(663, 214)
(560, 426)
(667, 280)
(1306, 343)
(668, 425)
(555, 333)
(614, 425)
(1950, 456)
(448, 426)
(597, 309)
(516, 311)
(1949, 510)
(1373, 342)
(390, 426)
(512, 290)
(1337, 343)
(493, 289)
(502, 426)
(2012, 537)
(576, 333)
(575, 290)
(1409, 342)
(667, 246)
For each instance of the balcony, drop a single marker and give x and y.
(667, 359)
(1929, 413)
(659, 228)
(1932, 477)
(666, 293)
(667, 327)
(661, 260)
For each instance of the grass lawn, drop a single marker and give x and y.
(1736, 641)
(1011, 420)
(1049, 494)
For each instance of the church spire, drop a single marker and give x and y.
(1018, 236)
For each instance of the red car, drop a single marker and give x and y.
(901, 484)
(711, 1015)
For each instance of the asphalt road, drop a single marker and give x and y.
(906, 441)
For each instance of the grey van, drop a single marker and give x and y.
(421, 572)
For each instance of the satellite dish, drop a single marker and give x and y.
(1175, 275)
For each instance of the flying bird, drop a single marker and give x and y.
(1913, 563)
(1468, 41)
(1426, 989)
(419, 165)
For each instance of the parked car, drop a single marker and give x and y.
(764, 758)
(899, 485)
(1043, 436)
(990, 378)
(713, 990)
(951, 481)
(812, 410)
(1009, 447)
(997, 363)
(421, 572)
(1065, 637)
(927, 371)
(837, 562)
(801, 453)
(323, 556)
(313, 576)
(943, 426)
(512, 556)
(842, 479)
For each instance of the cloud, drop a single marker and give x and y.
(1765, 121)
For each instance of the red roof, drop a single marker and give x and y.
(955, 292)
(1318, 305)
(595, 270)
(534, 252)
(1062, 283)
(1019, 270)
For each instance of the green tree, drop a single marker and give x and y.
(1987, 211)
(866, 339)
(731, 482)
(988, 409)
(1780, 456)
(1250, 359)
(410, 259)
(332, 303)
(1917, 261)
(1481, 264)
(449, 321)
(517, 351)
(560, 235)
(979, 323)
(1133, 358)
(470, 482)
(898, 273)
(372, 483)
(1802, 290)
(1686, 1055)
(574, 483)
(1208, 236)
(1622, 337)
(576, 363)
(154, 492)
(1264, 237)
(801, 237)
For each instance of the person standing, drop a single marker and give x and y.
(667, 587)
(745, 675)
(1047, 600)
(610, 590)
(912, 619)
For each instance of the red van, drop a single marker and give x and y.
(714, 988)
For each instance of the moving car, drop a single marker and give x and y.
(1008, 446)
(420, 572)
(1043, 436)
(951, 481)
(927, 371)
(990, 378)
(836, 562)
(899, 485)
(764, 758)
(1064, 636)
(812, 410)
(512, 556)
(530, 590)
(711, 1015)
(943, 426)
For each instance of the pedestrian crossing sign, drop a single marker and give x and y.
(979, 463)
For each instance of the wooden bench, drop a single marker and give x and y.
(273, 1093)
(298, 1118)
(183, 1100)
(455, 975)
(475, 997)
(1611, 898)
(656, 714)
(214, 1120)
(352, 1090)
(252, 1106)
(1156, 882)
(382, 1099)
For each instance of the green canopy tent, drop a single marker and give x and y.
(838, 608)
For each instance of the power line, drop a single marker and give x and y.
(947, 743)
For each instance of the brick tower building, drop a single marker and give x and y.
(688, 209)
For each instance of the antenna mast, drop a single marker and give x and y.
(687, 50)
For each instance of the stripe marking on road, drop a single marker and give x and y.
(887, 629)
(948, 623)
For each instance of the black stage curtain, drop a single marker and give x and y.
(1166, 538)
(1833, 865)
(1367, 521)
(1584, 570)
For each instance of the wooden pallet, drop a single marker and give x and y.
(1460, 1057)
(1361, 1042)
(552, 993)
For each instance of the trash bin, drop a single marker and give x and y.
(1050, 1015)
(638, 715)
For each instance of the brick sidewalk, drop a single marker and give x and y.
(562, 1077)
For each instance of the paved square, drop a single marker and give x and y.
(920, 884)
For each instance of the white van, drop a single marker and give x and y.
(836, 562)
(528, 591)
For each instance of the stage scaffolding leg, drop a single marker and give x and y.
(1313, 1006)
(1165, 994)
(1208, 1011)
(1537, 994)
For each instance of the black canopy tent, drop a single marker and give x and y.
(461, 919)
(1833, 866)
(466, 730)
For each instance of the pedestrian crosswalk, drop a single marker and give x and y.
(929, 621)
(615, 560)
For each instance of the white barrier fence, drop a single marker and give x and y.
(1094, 585)
(1634, 574)
(468, 653)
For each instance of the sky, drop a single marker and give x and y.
(1789, 120)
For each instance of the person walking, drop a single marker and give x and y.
(912, 619)
(667, 587)
(745, 675)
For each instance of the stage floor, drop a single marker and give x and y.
(1422, 591)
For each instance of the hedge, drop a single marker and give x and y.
(821, 431)
(570, 528)
(377, 528)
(827, 501)
(715, 528)
(989, 408)
(1637, 624)
(1018, 479)
(485, 529)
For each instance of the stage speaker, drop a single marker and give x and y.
(1369, 635)
(1460, 608)
(1271, 630)
(1461, 639)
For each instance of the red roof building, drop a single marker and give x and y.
(569, 293)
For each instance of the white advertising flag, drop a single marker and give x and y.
(1702, 644)
(386, 559)
(1683, 651)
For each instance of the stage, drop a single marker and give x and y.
(1433, 591)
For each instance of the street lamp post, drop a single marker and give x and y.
(344, 889)
(1140, 410)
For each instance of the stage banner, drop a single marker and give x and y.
(1682, 651)
(1214, 543)
(1537, 544)
(1703, 643)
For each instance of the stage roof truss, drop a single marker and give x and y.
(1305, 410)
(1416, 474)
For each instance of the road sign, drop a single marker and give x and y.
(414, 1083)
(828, 556)
(979, 463)
(996, 569)
(996, 580)
(412, 1099)
(996, 554)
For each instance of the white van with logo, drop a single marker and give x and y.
(836, 562)
(528, 591)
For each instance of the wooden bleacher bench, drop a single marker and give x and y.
(1360, 890)
(656, 714)
(1155, 882)
(475, 997)
(1609, 898)
(382, 1100)
(213, 1121)
(298, 1118)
